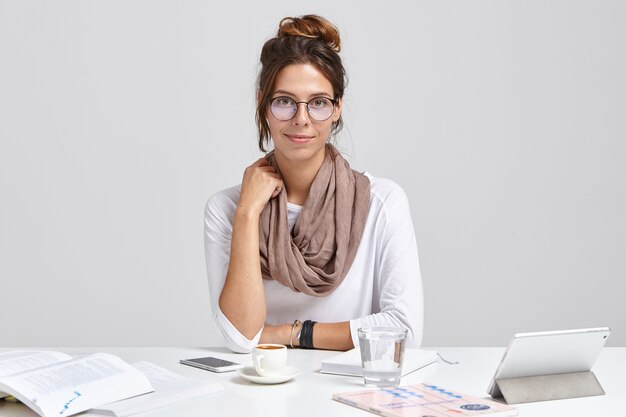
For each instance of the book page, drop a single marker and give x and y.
(160, 377)
(72, 386)
(169, 389)
(22, 360)
(17, 361)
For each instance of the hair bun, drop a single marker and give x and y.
(311, 26)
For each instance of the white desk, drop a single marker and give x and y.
(309, 394)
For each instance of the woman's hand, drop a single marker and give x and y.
(260, 183)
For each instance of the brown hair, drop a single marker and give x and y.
(306, 39)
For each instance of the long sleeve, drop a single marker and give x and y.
(217, 238)
(397, 293)
(382, 288)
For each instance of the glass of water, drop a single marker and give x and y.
(382, 354)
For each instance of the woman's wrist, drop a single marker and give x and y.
(247, 212)
(279, 334)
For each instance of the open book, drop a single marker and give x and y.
(421, 400)
(349, 363)
(54, 384)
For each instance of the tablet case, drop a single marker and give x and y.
(548, 387)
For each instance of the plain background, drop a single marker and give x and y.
(504, 121)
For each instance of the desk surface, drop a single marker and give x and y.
(310, 393)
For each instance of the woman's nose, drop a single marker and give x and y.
(302, 115)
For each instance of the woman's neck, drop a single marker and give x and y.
(299, 175)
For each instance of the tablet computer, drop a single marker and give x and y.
(547, 353)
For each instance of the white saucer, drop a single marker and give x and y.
(250, 374)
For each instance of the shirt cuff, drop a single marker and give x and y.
(232, 338)
(354, 326)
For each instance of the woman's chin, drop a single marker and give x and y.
(300, 153)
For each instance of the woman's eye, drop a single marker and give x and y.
(284, 101)
(319, 102)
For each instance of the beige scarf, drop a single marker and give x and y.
(316, 258)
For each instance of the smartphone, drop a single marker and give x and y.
(210, 363)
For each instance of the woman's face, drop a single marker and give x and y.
(301, 138)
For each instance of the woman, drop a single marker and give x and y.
(306, 251)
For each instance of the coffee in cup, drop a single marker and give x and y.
(269, 359)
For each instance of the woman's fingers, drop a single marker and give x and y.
(260, 183)
(277, 191)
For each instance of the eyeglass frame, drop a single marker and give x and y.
(332, 100)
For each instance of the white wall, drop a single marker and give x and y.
(503, 121)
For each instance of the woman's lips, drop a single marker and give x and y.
(299, 138)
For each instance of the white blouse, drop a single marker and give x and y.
(382, 288)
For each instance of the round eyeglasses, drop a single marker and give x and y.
(319, 108)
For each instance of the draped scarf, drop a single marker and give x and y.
(316, 256)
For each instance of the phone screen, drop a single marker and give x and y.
(212, 362)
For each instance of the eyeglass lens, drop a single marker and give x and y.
(285, 108)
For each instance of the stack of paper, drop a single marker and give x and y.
(169, 389)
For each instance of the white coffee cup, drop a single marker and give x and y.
(269, 359)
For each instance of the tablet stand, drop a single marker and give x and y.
(548, 387)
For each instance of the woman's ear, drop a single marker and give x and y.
(337, 113)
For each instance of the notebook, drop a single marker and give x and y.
(349, 363)
(421, 400)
